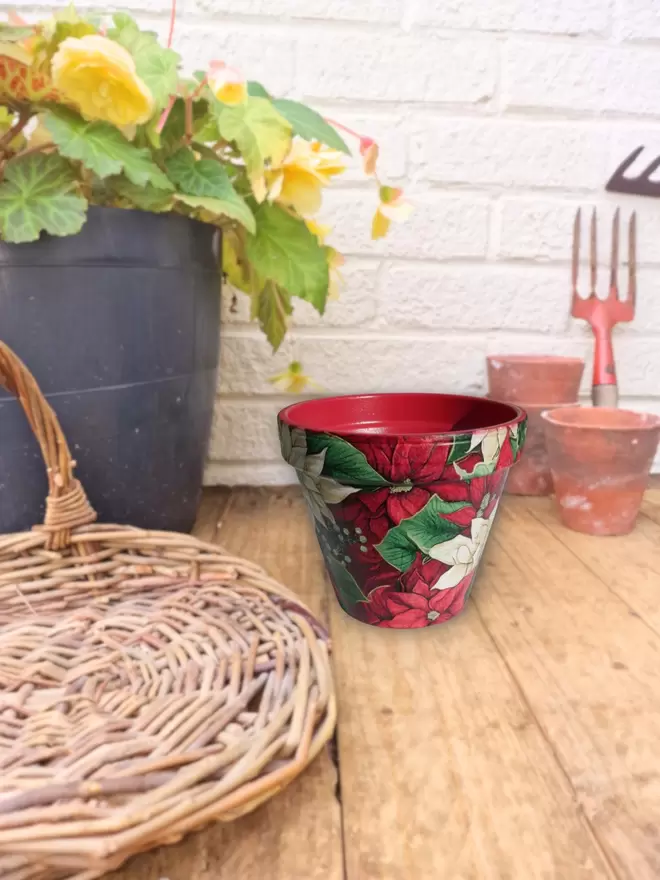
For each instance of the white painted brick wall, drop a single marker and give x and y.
(500, 117)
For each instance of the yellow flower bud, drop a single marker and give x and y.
(227, 84)
(99, 77)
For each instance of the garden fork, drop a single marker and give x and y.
(603, 314)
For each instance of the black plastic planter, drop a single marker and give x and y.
(120, 326)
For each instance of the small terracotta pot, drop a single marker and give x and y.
(531, 475)
(403, 489)
(529, 379)
(600, 461)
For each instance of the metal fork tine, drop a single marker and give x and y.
(593, 255)
(614, 266)
(632, 259)
(575, 265)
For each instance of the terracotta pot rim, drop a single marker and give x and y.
(298, 415)
(538, 407)
(535, 359)
(640, 421)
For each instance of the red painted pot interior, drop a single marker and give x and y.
(400, 414)
(602, 419)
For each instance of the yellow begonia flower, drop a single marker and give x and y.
(99, 77)
(392, 206)
(227, 84)
(297, 182)
(335, 262)
(293, 380)
(318, 229)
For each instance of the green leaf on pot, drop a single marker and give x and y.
(256, 90)
(36, 196)
(345, 463)
(481, 469)
(217, 211)
(460, 448)
(420, 532)
(397, 549)
(198, 177)
(272, 307)
(310, 125)
(429, 527)
(145, 198)
(157, 66)
(347, 588)
(285, 251)
(103, 149)
(11, 34)
(517, 439)
(261, 133)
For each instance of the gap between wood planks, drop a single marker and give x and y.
(550, 745)
(613, 786)
(508, 766)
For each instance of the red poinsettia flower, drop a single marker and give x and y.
(405, 463)
(481, 494)
(418, 471)
(391, 609)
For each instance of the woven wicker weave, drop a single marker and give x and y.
(149, 683)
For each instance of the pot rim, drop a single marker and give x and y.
(541, 407)
(288, 416)
(640, 421)
(535, 359)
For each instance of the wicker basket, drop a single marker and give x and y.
(149, 683)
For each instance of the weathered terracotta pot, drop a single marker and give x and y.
(403, 489)
(528, 379)
(600, 461)
(531, 475)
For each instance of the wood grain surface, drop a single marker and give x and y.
(518, 742)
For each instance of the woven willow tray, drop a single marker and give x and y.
(149, 683)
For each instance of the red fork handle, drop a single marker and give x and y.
(604, 369)
(604, 391)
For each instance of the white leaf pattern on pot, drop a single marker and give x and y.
(462, 553)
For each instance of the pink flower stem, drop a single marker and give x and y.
(200, 88)
(172, 21)
(344, 128)
(165, 114)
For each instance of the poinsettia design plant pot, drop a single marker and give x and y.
(403, 489)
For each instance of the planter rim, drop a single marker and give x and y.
(586, 418)
(303, 415)
(534, 359)
(542, 407)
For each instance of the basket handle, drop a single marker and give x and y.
(67, 506)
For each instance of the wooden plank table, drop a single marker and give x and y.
(518, 742)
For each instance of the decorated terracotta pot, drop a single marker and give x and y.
(600, 460)
(403, 489)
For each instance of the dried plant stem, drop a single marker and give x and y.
(24, 117)
(40, 148)
(188, 118)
